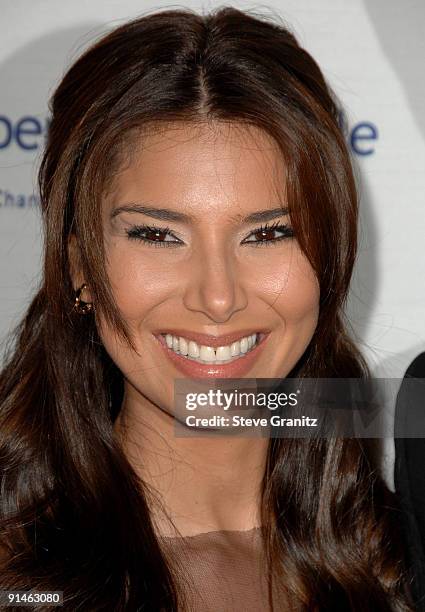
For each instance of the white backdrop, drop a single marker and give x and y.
(372, 53)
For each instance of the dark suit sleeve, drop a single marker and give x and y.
(409, 476)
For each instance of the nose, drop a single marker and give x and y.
(216, 287)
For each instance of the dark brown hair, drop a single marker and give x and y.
(74, 515)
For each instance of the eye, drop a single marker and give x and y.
(164, 237)
(266, 235)
(154, 236)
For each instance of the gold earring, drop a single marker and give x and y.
(80, 306)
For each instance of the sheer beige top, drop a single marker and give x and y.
(224, 571)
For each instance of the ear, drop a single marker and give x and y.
(75, 268)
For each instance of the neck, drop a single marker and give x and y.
(205, 483)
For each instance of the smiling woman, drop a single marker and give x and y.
(211, 284)
(200, 220)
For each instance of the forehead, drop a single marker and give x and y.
(214, 166)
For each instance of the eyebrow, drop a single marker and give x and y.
(165, 214)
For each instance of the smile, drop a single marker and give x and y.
(208, 354)
(200, 355)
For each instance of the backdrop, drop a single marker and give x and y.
(372, 53)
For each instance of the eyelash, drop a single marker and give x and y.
(134, 233)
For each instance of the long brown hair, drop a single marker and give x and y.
(74, 515)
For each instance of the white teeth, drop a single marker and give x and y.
(207, 354)
(193, 349)
(235, 349)
(183, 346)
(222, 353)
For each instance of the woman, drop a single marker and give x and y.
(215, 138)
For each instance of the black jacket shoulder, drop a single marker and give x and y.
(409, 475)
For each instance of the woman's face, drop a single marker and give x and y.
(208, 279)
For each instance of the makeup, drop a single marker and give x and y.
(236, 368)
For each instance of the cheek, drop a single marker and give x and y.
(291, 287)
(139, 282)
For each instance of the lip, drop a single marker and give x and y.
(235, 369)
(209, 340)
